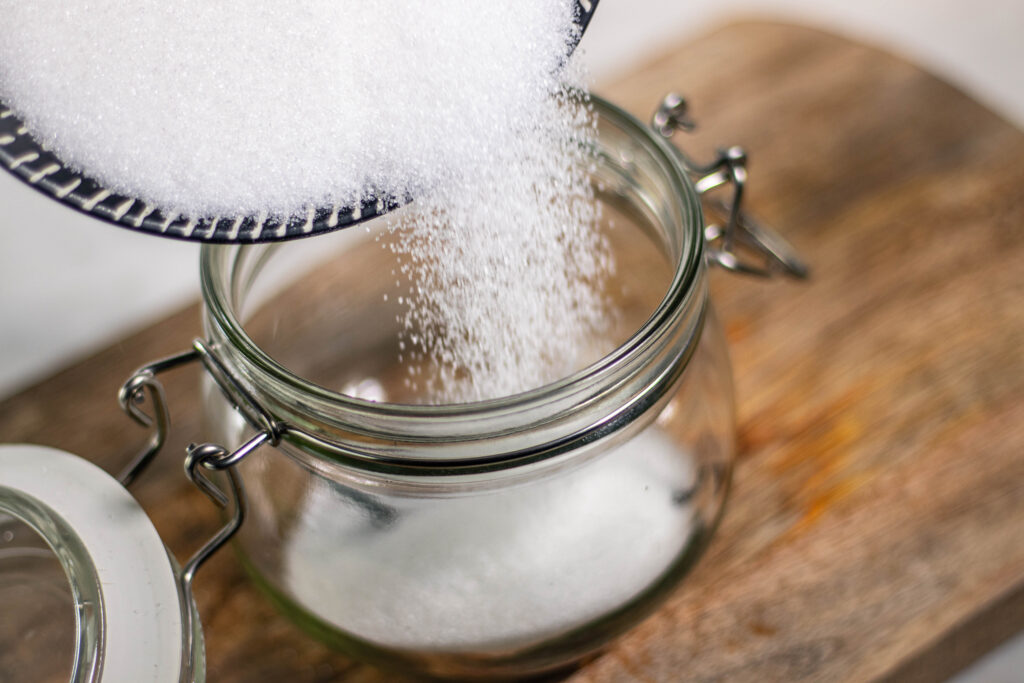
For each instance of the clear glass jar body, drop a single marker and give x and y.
(506, 537)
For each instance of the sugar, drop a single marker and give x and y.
(499, 569)
(242, 105)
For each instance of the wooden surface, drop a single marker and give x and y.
(876, 528)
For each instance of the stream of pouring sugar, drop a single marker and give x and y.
(508, 265)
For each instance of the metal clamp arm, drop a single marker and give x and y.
(144, 383)
(132, 398)
(740, 231)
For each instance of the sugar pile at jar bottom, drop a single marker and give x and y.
(500, 569)
(242, 106)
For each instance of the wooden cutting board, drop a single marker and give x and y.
(876, 527)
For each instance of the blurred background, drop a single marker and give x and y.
(69, 285)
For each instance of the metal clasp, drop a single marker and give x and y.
(740, 234)
(144, 385)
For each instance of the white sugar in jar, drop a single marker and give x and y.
(503, 537)
(513, 566)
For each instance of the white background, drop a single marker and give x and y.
(69, 284)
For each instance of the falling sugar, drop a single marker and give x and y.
(508, 264)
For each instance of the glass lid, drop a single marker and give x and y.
(88, 590)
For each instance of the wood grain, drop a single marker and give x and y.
(876, 528)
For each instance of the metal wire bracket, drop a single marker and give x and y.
(768, 253)
(144, 384)
(217, 459)
(132, 398)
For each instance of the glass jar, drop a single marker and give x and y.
(505, 537)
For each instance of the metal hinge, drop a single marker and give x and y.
(736, 241)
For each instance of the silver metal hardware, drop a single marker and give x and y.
(217, 459)
(142, 384)
(740, 233)
(132, 397)
(672, 115)
(237, 394)
(29, 160)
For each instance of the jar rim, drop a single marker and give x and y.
(263, 369)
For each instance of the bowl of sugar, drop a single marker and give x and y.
(261, 121)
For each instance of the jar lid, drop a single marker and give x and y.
(125, 603)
